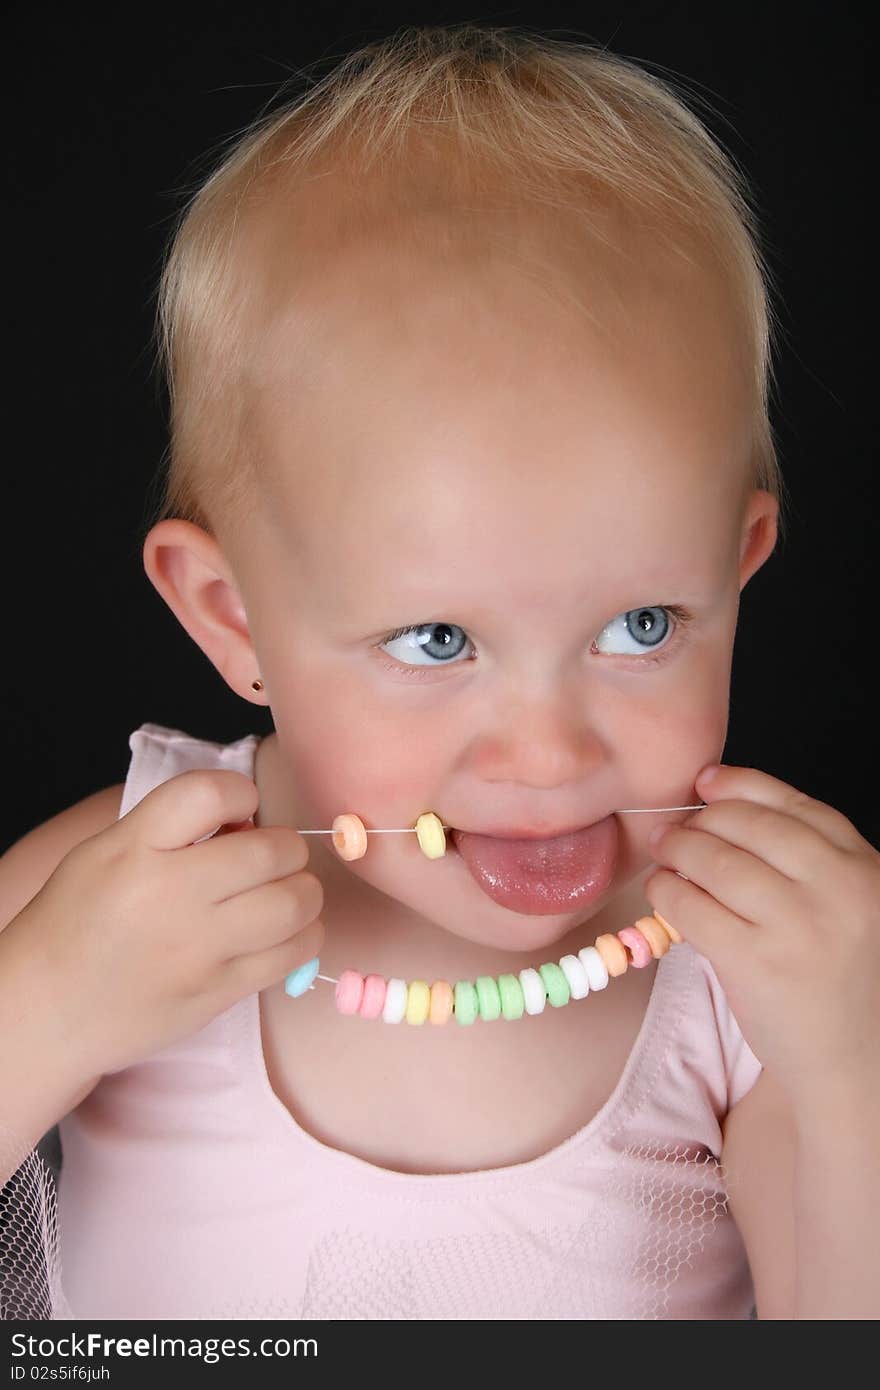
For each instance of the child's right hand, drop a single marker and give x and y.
(140, 937)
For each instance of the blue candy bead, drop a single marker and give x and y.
(300, 980)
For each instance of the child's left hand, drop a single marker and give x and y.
(783, 899)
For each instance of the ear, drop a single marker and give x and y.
(187, 567)
(759, 533)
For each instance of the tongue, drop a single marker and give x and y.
(543, 876)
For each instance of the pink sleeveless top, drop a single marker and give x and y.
(189, 1191)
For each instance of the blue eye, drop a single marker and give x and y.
(441, 640)
(646, 629)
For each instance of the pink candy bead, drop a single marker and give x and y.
(349, 992)
(639, 947)
(373, 1001)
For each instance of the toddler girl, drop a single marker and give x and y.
(470, 462)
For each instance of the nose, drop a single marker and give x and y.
(543, 742)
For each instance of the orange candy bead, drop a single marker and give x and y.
(441, 1002)
(349, 836)
(673, 934)
(613, 952)
(656, 936)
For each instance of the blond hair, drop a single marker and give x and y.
(557, 124)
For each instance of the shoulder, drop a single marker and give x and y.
(77, 822)
(758, 1160)
(33, 858)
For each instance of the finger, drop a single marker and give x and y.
(750, 784)
(234, 826)
(267, 916)
(190, 806)
(260, 969)
(229, 864)
(703, 922)
(736, 878)
(787, 844)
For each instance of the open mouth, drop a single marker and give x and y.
(539, 877)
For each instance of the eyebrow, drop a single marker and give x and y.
(686, 583)
(410, 609)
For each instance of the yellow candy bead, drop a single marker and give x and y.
(673, 934)
(656, 936)
(431, 835)
(349, 836)
(441, 1001)
(418, 998)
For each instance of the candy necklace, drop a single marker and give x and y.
(507, 996)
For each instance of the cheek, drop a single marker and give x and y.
(702, 712)
(664, 743)
(349, 758)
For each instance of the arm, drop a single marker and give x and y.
(800, 1186)
(838, 1231)
(758, 1159)
(37, 1086)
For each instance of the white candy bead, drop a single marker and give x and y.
(534, 991)
(594, 965)
(576, 975)
(394, 1008)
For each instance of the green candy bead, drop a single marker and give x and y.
(465, 1005)
(555, 983)
(512, 998)
(489, 998)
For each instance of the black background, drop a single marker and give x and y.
(113, 116)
